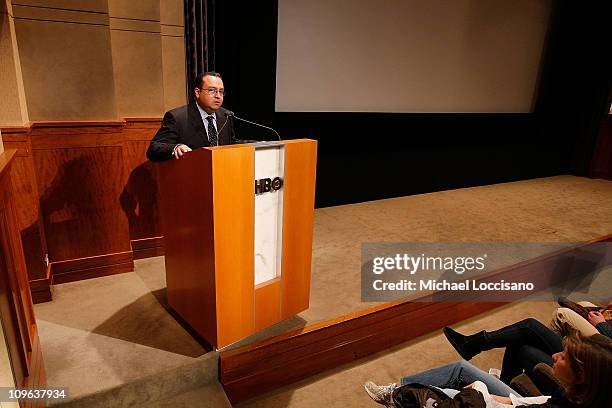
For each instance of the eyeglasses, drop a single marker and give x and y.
(213, 91)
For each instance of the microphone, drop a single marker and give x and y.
(231, 114)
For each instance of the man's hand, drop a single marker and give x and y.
(596, 317)
(180, 150)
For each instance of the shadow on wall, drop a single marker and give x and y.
(139, 202)
(67, 205)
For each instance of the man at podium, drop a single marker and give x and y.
(200, 123)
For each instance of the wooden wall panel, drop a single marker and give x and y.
(139, 195)
(81, 175)
(16, 309)
(139, 198)
(8, 313)
(91, 185)
(28, 216)
(80, 192)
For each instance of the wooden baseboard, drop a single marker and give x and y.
(92, 267)
(148, 247)
(42, 296)
(149, 253)
(96, 266)
(264, 366)
(42, 288)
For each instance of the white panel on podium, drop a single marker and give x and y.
(269, 164)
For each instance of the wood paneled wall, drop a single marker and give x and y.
(139, 196)
(89, 198)
(29, 221)
(16, 309)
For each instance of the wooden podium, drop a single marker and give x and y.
(238, 223)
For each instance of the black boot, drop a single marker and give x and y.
(466, 346)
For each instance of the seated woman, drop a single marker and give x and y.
(584, 366)
(584, 317)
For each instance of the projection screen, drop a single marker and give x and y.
(409, 55)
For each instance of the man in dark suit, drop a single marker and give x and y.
(202, 122)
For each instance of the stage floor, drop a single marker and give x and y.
(562, 209)
(103, 332)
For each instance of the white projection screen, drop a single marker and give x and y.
(409, 55)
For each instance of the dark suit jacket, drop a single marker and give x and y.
(184, 125)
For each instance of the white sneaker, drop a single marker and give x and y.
(380, 393)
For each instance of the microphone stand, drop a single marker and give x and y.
(256, 124)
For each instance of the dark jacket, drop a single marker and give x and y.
(605, 328)
(184, 125)
(418, 396)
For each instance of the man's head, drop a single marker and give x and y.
(209, 91)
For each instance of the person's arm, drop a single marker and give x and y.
(605, 329)
(597, 319)
(503, 400)
(166, 144)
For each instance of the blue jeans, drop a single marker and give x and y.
(458, 375)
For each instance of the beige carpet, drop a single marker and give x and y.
(103, 332)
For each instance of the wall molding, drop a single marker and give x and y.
(42, 288)
(148, 247)
(92, 267)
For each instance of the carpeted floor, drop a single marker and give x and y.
(103, 332)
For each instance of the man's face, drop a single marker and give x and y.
(210, 95)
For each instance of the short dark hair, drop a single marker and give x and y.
(197, 82)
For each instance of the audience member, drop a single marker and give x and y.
(584, 366)
(584, 317)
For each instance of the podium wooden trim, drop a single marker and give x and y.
(207, 202)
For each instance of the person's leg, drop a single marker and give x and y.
(458, 375)
(510, 365)
(522, 358)
(528, 331)
(564, 318)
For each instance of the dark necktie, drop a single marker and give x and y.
(212, 131)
